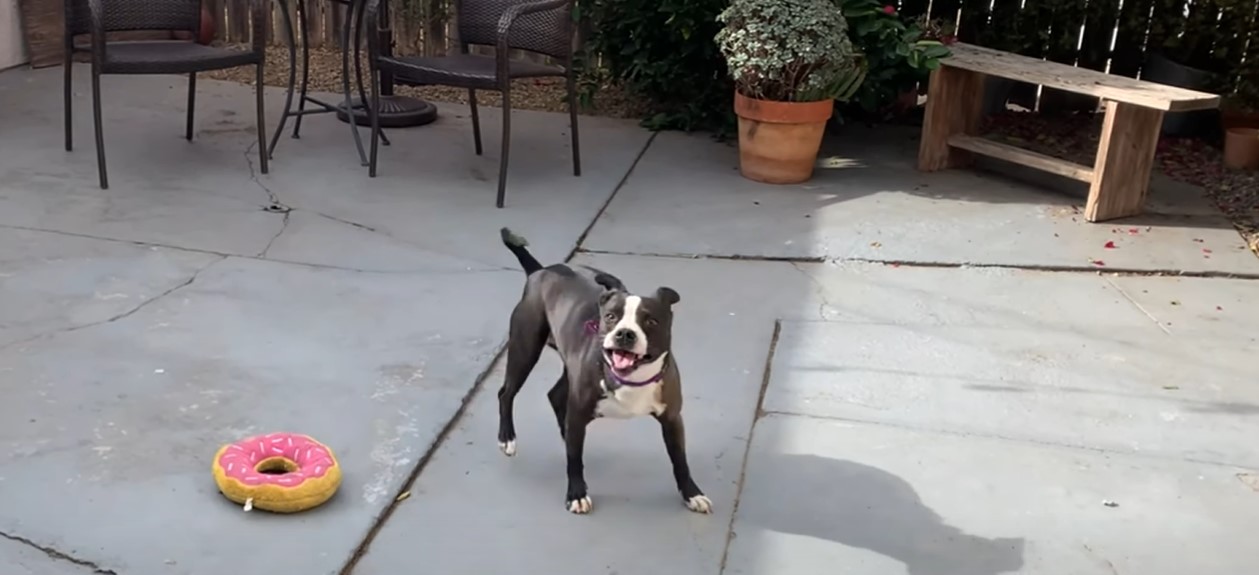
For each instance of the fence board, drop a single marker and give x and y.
(314, 12)
(914, 8)
(945, 9)
(1134, 23)
(973, 21)
(1099, 27)
(219, 13)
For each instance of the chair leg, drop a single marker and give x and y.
(303, 22)
(67, 63)
(373, 113)
(100, 135)
(476, 121)
(263, 153)
(192, 104)
(502, 161)
(572, 122)
(288, 96)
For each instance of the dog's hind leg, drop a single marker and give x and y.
(558, 396)
(528, 335)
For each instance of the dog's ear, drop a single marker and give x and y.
(611, 286)
(609, 282)
(667, 295)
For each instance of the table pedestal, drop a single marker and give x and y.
(396, 111)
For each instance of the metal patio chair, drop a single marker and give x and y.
(98, 17)
(541, 27)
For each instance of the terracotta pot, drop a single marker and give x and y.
(205, 35)
(1241, 148)
(779, 141)
(1232, 118)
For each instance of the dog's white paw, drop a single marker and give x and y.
(581, 506)
(508, 448)
(700, 504)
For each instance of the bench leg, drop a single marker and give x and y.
(954, 106)
(1125, 157)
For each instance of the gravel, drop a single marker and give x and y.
(543, 94)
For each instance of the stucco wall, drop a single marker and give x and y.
(12, 51)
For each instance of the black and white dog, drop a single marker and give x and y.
(618, 362)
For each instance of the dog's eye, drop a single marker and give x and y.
(609, 316)
(650, 322)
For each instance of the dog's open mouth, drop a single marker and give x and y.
(623, 361)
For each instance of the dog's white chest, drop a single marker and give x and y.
(628, 402)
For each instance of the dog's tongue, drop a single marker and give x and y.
(622, 360)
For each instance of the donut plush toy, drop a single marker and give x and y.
(279, 472)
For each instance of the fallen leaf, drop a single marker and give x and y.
(1174, 302)
(1206, 251)
(1133, 231)
(1098, 263)
(1109, 245)
(403, 496)
(1171, 387)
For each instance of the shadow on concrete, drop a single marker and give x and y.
(862, 506)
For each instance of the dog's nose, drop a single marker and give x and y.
(626, 337)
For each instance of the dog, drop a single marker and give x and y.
(618, 362)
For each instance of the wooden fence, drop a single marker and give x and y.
(1109, 35)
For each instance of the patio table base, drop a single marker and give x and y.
(395, 112)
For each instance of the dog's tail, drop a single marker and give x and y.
(517, 244)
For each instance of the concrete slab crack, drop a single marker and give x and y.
(1114, 271)
(284, 226)
(817, 288)
(58, 555)
(1137, 305)
(273, 202)
(485, 265)
(731, 535)
(130, 312)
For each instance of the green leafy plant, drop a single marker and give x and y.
(898, 54)
(789, 50)
(660, 51)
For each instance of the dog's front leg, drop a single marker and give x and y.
(674, 431)
(577, 500)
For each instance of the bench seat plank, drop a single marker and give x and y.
(1079, 80)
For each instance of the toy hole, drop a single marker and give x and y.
(276, 466)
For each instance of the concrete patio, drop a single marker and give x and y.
(886, 371)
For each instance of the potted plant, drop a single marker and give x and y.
(1240, 109)
(790, 61)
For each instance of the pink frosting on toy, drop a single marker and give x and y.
(240, 460)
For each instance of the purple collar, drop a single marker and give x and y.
(592, 328)
(608, 372)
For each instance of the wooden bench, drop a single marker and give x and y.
(1119, 178)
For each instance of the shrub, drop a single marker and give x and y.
(662, 51)
(899, 54)
(789, 50)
